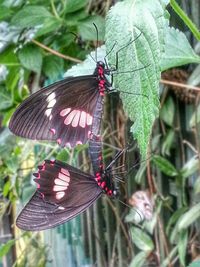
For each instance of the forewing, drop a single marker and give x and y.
(63, 193)
(62, 112)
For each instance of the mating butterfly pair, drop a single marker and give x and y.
(68, 111)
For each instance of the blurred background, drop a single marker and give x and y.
(36, 48)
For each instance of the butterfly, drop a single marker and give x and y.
(68, 111)
(62, 193)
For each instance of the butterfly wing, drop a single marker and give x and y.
(62, 112)
(63, 193)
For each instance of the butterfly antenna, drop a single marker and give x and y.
(117, 156)
(97, 41)
(138, 163)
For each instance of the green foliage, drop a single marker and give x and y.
(165, 166)
(30, 16)
(5, 248)
(138, 67)
(177, 50)
(142, 240)
(31, 58)
(139, 260)
(195, 263)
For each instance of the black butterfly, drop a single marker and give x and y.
(68, 111)
(63, 193)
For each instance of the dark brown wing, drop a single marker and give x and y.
(63, 193)
(62, 112)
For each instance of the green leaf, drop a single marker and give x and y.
(137, 28)
(189, 217)
(87, 30)
(50, 25)
(195, 263)
(6, 188)
(141, 239)
(8, 57)
(167, 111)
(5, 12)
(63, 155)
(6, 99)
(12, 164)
(190, 167)
(30, 16)
(182, 246)
(140, 173)
(134, 216)
(74, 5)
(31, 58)
(177, 50)
(139, 260)
(195, 118)
(174, 218)
(53, 67)
(167, 142)
(165, 166)
(197, 185)
(5, 248)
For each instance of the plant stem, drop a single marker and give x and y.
(56, 52)
(185, 18)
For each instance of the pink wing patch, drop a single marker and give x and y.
(76, 117)
(61, 183)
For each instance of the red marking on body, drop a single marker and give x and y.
(52, 162)
(41, 167)
(38, 185)
(37, 175)
(100, 71)
(103, 184)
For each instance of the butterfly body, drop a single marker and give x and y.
(68, 111)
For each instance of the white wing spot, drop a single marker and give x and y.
(65, 171)
(51, 97)
(89, 119)
(63, 177)
(48, 112)
(60, 195)
(64, 112)
(58, 188)
(61, 208)
(61, 182)
(51, 103)
(76, 119)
